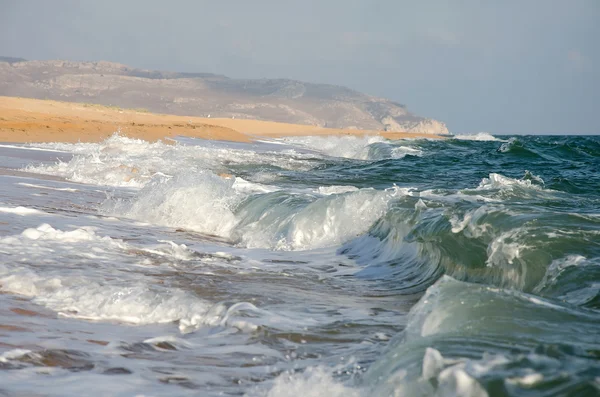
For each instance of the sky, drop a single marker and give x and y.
(526, 66)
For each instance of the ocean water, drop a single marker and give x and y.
(336, 266)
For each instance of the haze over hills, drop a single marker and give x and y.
(203, 94)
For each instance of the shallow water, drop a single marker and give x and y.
(303, 266)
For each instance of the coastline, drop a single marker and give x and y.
(24, 120)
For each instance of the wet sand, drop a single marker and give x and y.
(32, 120)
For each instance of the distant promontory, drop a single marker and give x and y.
(208, 95)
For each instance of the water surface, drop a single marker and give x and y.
(337, 266)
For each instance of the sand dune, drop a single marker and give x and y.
(33, 120)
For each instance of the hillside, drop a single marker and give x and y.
(208, 95)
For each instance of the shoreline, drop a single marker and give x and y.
(25, 120)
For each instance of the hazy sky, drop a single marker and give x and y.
(522, 66)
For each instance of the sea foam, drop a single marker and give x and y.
(353, 147)
(480, 136)
(209, 204)
(199, 201)
(126, 162)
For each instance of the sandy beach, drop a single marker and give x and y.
(31, 120)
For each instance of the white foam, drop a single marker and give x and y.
(399, 152)
(13, 354)
(90, 296)
(353, 147)
(243, 186)
(175, 251)
(46, 245)
(170, 339)
(327, 221)
(506, 248)
(455, 381)
(334, 221)
(327, 190)
(502, 187)
(121, 161)
(505, 252)
(480, 136)
(472, 225)
(66, 147)
(84, 298)
(37, 269)
(23, 211)
(198, 201)
(208, 204)
(497, 181)
(47, 232)
(433, 363)
(508, 145)
(528, 380)
(459, 225)
(457, 377)
(313, 382)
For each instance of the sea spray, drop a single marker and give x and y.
(199, 201)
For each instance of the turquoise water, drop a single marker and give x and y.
(305, 266)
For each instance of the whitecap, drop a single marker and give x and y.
(399, 152)
(199, 201)
(326, 221)
(126, 162)
(498, 181)
(353, 147)
(480, 136)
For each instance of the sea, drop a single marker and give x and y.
(301, 266)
